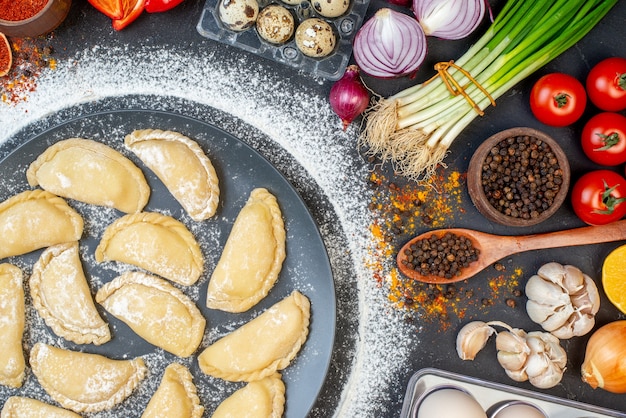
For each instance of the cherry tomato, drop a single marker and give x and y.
(606, 84)
(604, 138)
(599, 197)
(558, 99)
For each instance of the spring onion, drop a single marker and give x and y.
(414, 129)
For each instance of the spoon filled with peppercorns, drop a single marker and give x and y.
(455, 254)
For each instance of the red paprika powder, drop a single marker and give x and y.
(16, 10)
(5, 55)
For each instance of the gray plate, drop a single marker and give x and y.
(240, 169)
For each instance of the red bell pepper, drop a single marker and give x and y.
(130, 14)
(157, 6)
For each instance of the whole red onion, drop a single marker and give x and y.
(348, 96)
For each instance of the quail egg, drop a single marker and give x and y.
(275, 24)
(238, 15)
(330, 8)
(315, 38)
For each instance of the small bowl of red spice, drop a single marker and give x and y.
(32, 17)
(6, 56)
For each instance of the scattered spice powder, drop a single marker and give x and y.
(403, 211)
(16, 10)
(5, 54)
(30, 57)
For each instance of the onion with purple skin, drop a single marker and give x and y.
(449, 19)
(348, 96)
(390, 44)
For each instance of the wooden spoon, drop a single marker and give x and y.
(495, 247)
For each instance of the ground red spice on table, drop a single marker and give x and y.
(5, 54)
(403, 211)
(15, 10)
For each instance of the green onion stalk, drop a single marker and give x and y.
(414, 128)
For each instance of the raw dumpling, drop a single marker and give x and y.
(182, 166)
(157, 243)
(12, 317)
(20, 407)
(85, 382)
(176, 396)
(36, 219)
(155, 310)
(91, 172)
(252, 257)
(62, 297)
(262, 346)
(263, 398)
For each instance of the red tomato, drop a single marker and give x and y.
(599, 197)
(606, 84)
(558, 99)
(158, 6)
(604, 138)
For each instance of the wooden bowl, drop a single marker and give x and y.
(477, 191)
(46, 20)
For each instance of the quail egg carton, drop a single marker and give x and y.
(330, 67)
(492, 395)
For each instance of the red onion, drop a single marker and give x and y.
(390, 44)
(403, 3)
(449, 19)
(348, 96)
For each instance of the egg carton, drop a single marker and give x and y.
(330, 67)
(492, 395)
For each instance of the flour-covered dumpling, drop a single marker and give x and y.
(12, 318)
(252, 257)
(263, 398)
(21, 407)
(157, 311)
(62, 297)
(85, 382)
(157, 243)
(182, 166)
(91, 172)
(261, 347)
(176, 396)
(36, 219)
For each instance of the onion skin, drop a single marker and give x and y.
(605, 358)
(348, 96)
(449, 19)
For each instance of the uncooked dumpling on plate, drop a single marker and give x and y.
(12, 318)
(90, 172)
(252, 257)
(176, 396)
(36, 219)
(182, 166)
(85, 382)
(157, 243)
(157, 311)
(262, 346)
(62, 296)
(21, 407)
(263, 398)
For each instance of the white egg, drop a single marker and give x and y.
(519, 411)
(275, 24)
(450, 403)
(330, 8)
(238, 15)
(315, 37)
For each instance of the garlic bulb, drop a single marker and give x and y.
(563, 300)
(605, 358)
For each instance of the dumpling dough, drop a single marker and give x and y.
(157, 243)
(252, 257)
(91, 172)
(182, 166)
(157, 311)
(176, 396)
(262, 346)
(36, 219)
(62, 297)
(263, 398)
(12, 319)
(20, 407)
(85, 382)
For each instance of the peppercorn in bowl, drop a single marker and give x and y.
(518, 177)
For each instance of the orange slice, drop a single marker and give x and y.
(5, 51)
(614, 277)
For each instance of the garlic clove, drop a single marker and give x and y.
(549, 378)
(538, 311)
(554, 272)
(540, 289)
(536, 364)
(574, 280)
(558, 318)
(472, 338)
(517, 375)
(512, 342)
(512, 361)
